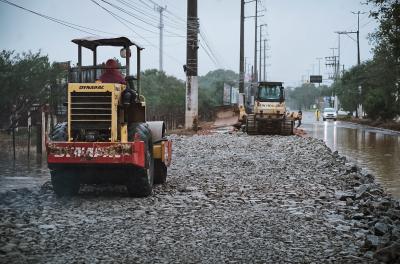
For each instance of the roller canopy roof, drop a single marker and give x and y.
(92, 42)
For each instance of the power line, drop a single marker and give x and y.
(127, 21)
(169, 12)
(59, 21)
(206, 42)
(137, 18)
(145, 4)
(169, 23)
(130, 14)
(193, 25)
(366, 24)
(138, 10)
(88, 30)
(351, 37)
(78, 27)
(120, 19)
(208, 54)
(177, 24)
(141, 19)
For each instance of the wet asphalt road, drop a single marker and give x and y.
(376, 150)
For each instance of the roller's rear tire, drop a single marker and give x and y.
(65, 182)
(140, 181)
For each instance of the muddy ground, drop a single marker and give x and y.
(385, 124)
(228, 198)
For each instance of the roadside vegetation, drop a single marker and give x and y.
(25, 80)
(167, 92)
(378, 79)
(163, 92)
(30, 79)
(306, 96)
(375, 83)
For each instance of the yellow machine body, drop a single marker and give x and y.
(269, 115)
(106, 137)
(270, 110)
(96, 103)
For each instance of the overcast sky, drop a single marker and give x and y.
(299, 31)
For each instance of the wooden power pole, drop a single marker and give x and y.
(260, 74)
(255, 73)
(241, 65)
(191, 108)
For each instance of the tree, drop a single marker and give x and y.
(167, 94)
(377, 83)
(25, 79)
(387, 12)
(305, 96)
(387, 51)
(347, 88)
(163, 93)
(211, 88)
(379, 78)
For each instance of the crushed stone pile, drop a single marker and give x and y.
(228, 198)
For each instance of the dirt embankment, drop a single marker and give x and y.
(228, 197)
(392, 125)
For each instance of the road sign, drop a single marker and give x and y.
(315, 78)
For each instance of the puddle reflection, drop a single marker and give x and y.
(376, 150)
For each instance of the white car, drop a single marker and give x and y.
(329, 113)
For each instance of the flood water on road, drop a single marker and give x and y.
(375, 150)
(23, 172)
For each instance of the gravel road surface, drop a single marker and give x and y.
(228, 198)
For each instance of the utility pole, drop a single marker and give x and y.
(319, 69)
(254, 73)
(241, 64)
(255, 76)
(260, 78)
(191, 110)
(259, 67)
(265, 56)
(336, 99)
(360, 108)
(319, 65)
(331, 61)
(338, 64)
(358, 36)
(161, 9)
